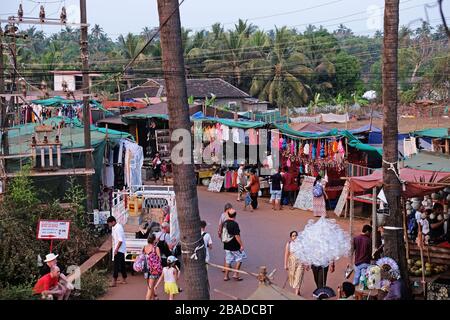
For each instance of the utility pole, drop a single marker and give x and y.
(2, 100)
(197, 287)
(393, 232)
(86, 107)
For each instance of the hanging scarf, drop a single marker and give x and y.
(318, 149)
(314, 151)
(335, 146)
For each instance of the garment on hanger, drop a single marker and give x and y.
(306, 149)
(234, 180)
(253, 136)
(235, 134)
(225, 132)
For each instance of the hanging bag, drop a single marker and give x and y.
(317, 190)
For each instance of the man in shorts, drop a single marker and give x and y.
(275, 191)
(233, 246)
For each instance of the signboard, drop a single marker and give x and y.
(305, 195)
(53, 229)
(342, 199)
(100, 217)
(216, 183)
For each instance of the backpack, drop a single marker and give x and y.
(226, 237)
(317, 190)
(154, 265)
(163, 247)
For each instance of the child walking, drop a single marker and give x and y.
(170, 275)
(248, 200)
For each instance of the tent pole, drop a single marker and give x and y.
(374, 220)
(405, 231)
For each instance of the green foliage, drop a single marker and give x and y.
(19, 292)
(284, 66)
(348, 73)
(94, 284)
(408, 96)
(21, 192)
(75, 196)
(19, 248)
(191, 100)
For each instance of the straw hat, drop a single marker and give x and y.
(50, 257)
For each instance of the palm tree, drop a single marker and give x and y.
(243, 28)
(394, 242)
(231, 57)
(197, 287)
(131, 45)
(319, 47)
(281, 78)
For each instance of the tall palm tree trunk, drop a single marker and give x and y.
(196, 277)
(394, 240)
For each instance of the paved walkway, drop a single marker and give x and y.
(264, 233)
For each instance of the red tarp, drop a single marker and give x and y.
(410, 176)
(116, 104)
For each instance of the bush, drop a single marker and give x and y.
(19, 292)
(19, 248)
(94, 284)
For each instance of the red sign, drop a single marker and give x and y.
(53, 229)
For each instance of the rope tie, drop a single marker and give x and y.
(392, 168)
(197, 248)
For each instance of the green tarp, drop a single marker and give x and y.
(59, 101)
(71, 137)
(140, 116)
(54, 101)
(440, 133)
(351, 139)
(428, 161)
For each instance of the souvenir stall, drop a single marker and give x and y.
(425, 206)
(213, 138)
(325, 153)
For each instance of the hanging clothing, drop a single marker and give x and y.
(409, 147)
(253, 136)
(225, 132)
(234, 180)
(306, 149)
(235, 134)
(228, 179)
(108, 171)
(241, 135)
(134, 159)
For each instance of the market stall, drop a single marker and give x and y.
(425, 220)
(324, 153)
(225, 144)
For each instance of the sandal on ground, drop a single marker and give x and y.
(226, 279)
(238, 278)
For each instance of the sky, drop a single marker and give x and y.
(117, 17)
